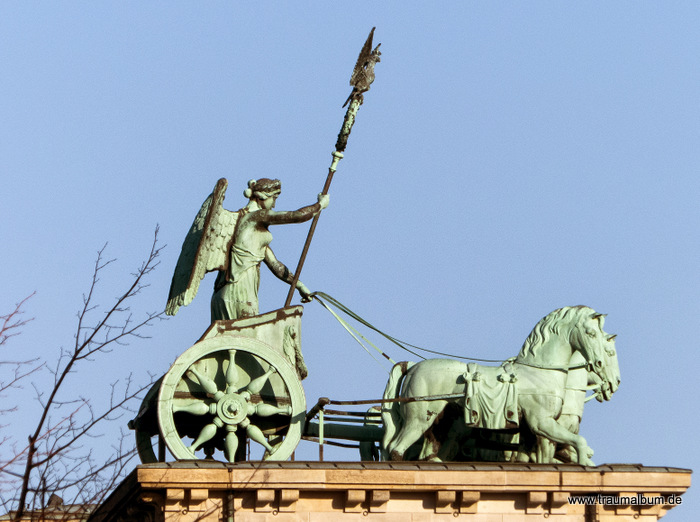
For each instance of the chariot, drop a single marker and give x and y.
(239, 383)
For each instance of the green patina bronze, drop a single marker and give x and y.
(544, 386)
(237, 381)
(242, 380)
(234, 244)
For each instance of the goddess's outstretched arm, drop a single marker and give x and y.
(271, 217)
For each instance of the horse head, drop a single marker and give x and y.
(613, 369)
(598, 348)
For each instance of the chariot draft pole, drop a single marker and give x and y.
(361, 79)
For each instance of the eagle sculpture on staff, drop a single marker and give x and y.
(363, 74)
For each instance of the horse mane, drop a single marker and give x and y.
(550, 325)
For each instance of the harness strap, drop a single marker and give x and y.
(555, 368)
(321, 296)
(354, 333)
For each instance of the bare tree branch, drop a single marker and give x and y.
(10, 326)
(12, 373)
(12, 323)
(56, 458)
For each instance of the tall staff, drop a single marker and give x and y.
(361, 79)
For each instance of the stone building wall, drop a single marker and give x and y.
(388, 492)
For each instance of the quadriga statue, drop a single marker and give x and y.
(528, 409)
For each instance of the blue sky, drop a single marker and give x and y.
(509, 160)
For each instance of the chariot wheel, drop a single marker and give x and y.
(145, 426)
(227, 388)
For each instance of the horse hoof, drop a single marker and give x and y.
(396, 456)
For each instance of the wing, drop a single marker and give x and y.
(205, 248)
(359, 70)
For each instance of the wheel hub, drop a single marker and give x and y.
(232, 408)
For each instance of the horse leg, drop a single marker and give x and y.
(409, 433)
(418, 417)
(571, 422)
(545, 449)
(431, 447)
(552, 430)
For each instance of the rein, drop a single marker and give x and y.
(555, 368)
(321, 296)
(410, 348)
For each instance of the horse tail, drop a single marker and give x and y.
(391, 415)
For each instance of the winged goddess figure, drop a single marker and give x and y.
(234, 244)
(363, 74)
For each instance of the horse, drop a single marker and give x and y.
(537, 382)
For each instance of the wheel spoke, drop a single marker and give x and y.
(207, 384)
(256, 434)
(231, 372)
(194, 407)
(266, 410)
(257, 384)
(231, 444)
(205, 435)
